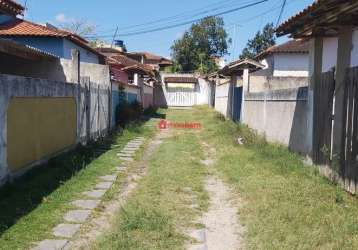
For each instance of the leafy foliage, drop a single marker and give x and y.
(128, 112)
(200, 46)
(262, 41)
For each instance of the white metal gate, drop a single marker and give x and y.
(181, 97)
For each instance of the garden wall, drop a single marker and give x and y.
(41, 118)
(281, 115)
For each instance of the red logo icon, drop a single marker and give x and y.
(162, 124)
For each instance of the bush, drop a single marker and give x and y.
(128, 112)
(150, 111)
(220, 117)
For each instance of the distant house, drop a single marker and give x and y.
(282, 66)
(159, 63)
(126, 70)
(289, 59)
(181, 90)
(129, 77)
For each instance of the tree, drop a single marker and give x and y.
(83, 28)
(262, 41)
(80, 27)
(201, 45)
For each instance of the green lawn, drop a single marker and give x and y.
(285, 204)
(31, 207)
(161, 204)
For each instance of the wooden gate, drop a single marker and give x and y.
(322, 118)
(350, 148)
(181, 97)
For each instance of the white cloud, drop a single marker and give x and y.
(62, 18)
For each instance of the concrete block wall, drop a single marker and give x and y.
(203, 93)
(222, 97)
(262, 83)
(281, 115)
(147, 96)
(91, 97)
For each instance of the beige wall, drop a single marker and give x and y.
(280, 115)
(39, 127)
(221, 98)
(264, 83)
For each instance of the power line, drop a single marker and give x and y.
(187, 22)
(221, 4)
(281, 12)
(182, 16)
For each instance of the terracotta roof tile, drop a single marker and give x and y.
(123, 60)
(152, 57)
(292, 46)
(321, 13)
(128, 63)
(21, 27)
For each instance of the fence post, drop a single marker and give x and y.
(343, 63)
(4, 102)
(315, 65)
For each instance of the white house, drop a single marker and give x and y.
(289, 59)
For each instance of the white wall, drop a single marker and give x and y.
(221, 98)
(354, 54)
(85, 55)
(203, 92)
(291, 64)
(98, 73)
(329, 57)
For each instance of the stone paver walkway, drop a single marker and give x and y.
(75, 218)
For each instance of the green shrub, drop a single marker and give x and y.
(128, 112)
(150, 111)
(220, 117)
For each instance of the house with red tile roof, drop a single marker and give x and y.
(49, 38)
(159, 63)
(134, 80)
(44, 37)
(125, 69)
(75, 58)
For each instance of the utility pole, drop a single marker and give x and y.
(114, 37)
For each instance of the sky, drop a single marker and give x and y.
(106, 15)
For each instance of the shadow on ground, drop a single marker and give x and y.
(19, 198)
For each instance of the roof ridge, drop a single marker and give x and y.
(20, 27)
(54, 29)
